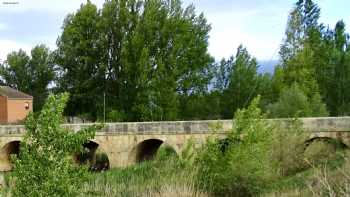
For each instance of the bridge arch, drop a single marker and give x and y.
(147, 150)
(93, 156)
(9, 149)
(339, 142)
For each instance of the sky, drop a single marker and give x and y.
(257, 24)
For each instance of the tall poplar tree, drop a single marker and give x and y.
(143, 55)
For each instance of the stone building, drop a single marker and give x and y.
(14, 105)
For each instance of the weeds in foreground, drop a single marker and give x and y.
(162, 177)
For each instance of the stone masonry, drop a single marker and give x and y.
(126, 143)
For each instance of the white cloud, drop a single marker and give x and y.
(51, 6)
(7, 46)
(224, 44)
(259, 30)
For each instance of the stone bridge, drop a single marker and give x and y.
(128, 143)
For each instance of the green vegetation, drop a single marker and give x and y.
(44, 166)
(242, 168)
(30, 74)
(293, 102)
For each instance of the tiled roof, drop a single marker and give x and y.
(13, 94)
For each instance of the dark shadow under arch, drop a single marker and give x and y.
(97, 161)
(225, 143)
(11, 148)
(147, 150)
(338, 143)
(7, 151)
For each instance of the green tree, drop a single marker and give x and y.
(301, 69)
(30, 74)
(302, 28)
(340, 83)
(241, 83)
(15, 70)
(145, 56)
(81, 72)
(293, 103)
(45, 164)
(304, 55)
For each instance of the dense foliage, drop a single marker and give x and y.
(45, 166)
(145, 60)
(30, 74)
(240, 167)
(145, 56)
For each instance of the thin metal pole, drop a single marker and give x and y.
(104, 107)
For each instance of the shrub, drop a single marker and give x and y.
(324, 151)
(165, 152)
(293, 102)
(287, 148)
(45, 167)
(115, 116)
(243, 168)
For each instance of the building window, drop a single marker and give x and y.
(26, 105)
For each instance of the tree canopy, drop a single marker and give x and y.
(147, 60)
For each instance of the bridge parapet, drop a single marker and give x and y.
(327, 124)
(171, 127)
(320, 124)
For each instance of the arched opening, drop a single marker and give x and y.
(101, 163)
(225, 143)
(7, 151)
(337, 143)
(148, 149)
(97, 161)
(324, 150)
(87, 156)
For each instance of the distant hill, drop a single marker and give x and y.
(267, 66)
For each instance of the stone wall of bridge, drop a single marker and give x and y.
(127, 143)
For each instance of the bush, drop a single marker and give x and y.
(45, 167)
(115, 116)
(287, 148)
(165, 152)
(243, 168)
(293, 102)
(324, 151)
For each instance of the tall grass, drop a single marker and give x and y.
(327, 181)
(165, 176)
